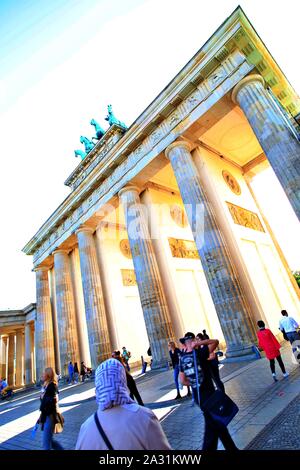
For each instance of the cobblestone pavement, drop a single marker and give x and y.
(250, 384)
(282, 432)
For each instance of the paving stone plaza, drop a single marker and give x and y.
(268, 417)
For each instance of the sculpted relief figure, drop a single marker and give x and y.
(99, 131)
(89, 145)
(231, 182)
(111, 118)
(125, 248)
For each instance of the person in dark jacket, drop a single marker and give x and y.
(213, 366)
(48, 408)
(76, 372)
(133, 391)
(204, 334)
(82, 371)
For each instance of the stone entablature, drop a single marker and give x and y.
(11, 318)
(210, 74)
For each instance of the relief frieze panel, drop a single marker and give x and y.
(183, 248)
(128, 277)
(245, 217)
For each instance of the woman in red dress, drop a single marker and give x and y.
(268, 342)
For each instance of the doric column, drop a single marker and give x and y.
(44, 328)
(65, 309)
(33, 352)
(107, 287)
(279, 144)
(83, 340)
(2, 357)
(28, 355)
(153, 301)
(100, 348)
(19, 358)
(216, 202)
(10, 360)
(168, 284)
(54, 320)
(3, 370)
(229, 301)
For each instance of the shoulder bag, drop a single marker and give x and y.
(220, 406)
(59, 419)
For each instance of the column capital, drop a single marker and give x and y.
(178, 144)
(129, 188)
(245, 81)
(60, 251)
(85, 229)
(41, 268)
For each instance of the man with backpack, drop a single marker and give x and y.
(195, 371)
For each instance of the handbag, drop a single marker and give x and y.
(102, 433)
(59, 425)
(60, 421)
(220, 407)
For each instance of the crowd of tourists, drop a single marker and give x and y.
(122, 422)
(74, 374)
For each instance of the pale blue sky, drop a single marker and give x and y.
(63, 61)
(38, 35)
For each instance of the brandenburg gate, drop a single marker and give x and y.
(162, 231)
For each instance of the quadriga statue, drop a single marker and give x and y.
(111, 118)
(80, 153)
(99, 131)
(89, 145)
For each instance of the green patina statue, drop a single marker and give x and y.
(111, 118)
(99, 131)
(80, 153)
(89, 145)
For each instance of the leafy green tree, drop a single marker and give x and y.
(296, 275)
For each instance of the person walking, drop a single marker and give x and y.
(175, 355)
(133, 391)
(268, 342)
(189, 372)
(3, 384)
(49, 415)
(119, 423)
(82, 371)
(289, 326)
(71, 372)
(126, 356)
(5, 390)
(149, 353)
(76, 373)
(204, 334)
(213, 365)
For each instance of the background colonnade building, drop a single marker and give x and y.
(163, 231)
(17, 346)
